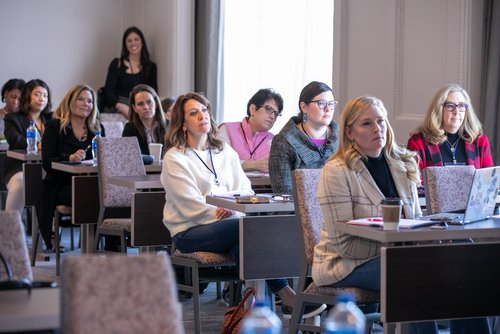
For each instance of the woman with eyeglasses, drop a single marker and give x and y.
(451, 133)
(251, 138)
(307, 140)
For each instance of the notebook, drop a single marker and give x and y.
(481, 200)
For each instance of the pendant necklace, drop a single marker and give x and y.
(453, 148)
(216, 181)
(248, 145)
(323, 149)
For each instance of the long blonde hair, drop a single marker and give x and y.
(432, 127)
(68, 103)
(350, 151)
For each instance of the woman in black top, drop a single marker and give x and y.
(34, 105)
(132, 68)
(147, 120)
(67, 137)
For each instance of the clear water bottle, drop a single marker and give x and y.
(345, 317)
(31, 139)
(261, 320)
(94, 146)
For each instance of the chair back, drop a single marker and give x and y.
(13, 246)
(120, 294)
(117, 157)
(447, 188)
(307, 208)
(114, 129)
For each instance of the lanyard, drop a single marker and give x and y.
(212, 162)
(248, 145)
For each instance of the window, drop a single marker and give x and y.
(275, 44)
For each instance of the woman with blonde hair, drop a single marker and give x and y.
(368, 167)
(451, 133)
(67, 137)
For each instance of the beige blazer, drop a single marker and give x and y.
(346, 194)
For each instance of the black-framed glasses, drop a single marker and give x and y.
(270, 110)
(323, 103)
(449, 106)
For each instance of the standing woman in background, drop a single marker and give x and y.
(451, 133)
(307, 140)
(11, 92)
(35, 105)
(147, 120)
(67, 137)
(124, 73)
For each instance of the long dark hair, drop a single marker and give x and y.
(145, 61)
(159, 115)
(25, 100)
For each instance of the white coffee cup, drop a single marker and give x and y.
(391, 212)
(155, 150)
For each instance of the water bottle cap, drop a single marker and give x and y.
(98, 133)
(344, 297)
(261, 304)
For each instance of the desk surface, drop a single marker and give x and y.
(139, 182)
(489, 228)
(92, 169)
(230, 203)
(23, 156)
(20, 311)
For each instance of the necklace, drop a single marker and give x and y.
(217, 183)
(453, 148)
(323, 149)
(150, 138)
(248, 145)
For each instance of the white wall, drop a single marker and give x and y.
(403, 51)
(66, 42)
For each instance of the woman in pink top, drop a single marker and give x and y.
(251, 137)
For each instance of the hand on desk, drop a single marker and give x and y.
(221, 213)
(77, 156)
(261, 165)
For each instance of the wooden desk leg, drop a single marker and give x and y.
(87, 238)
(83, 239)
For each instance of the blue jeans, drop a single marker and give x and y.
(367, 276)
(219, 237)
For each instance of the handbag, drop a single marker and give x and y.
(234, 315)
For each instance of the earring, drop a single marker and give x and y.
(304, 118)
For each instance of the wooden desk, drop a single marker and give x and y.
(252, 209)
(21, 312)
(147, 228)
(85, 197)
(268, 242)
(437, 280)
(23, 156)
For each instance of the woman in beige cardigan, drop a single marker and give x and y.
(367, 167)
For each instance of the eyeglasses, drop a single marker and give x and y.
(270, 110)
(323, 103)
(462, 107)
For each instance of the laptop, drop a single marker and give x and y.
(481, 201)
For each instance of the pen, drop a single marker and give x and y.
(88, 147)
(377, 220)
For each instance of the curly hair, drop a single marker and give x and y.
(348, 150)
(68, 103)
(432, 127)
(177, 137)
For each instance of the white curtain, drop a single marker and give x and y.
(280, 44)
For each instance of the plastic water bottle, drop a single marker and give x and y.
(94, 147)
(345, 317)
(261, 320)
(31, 139)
